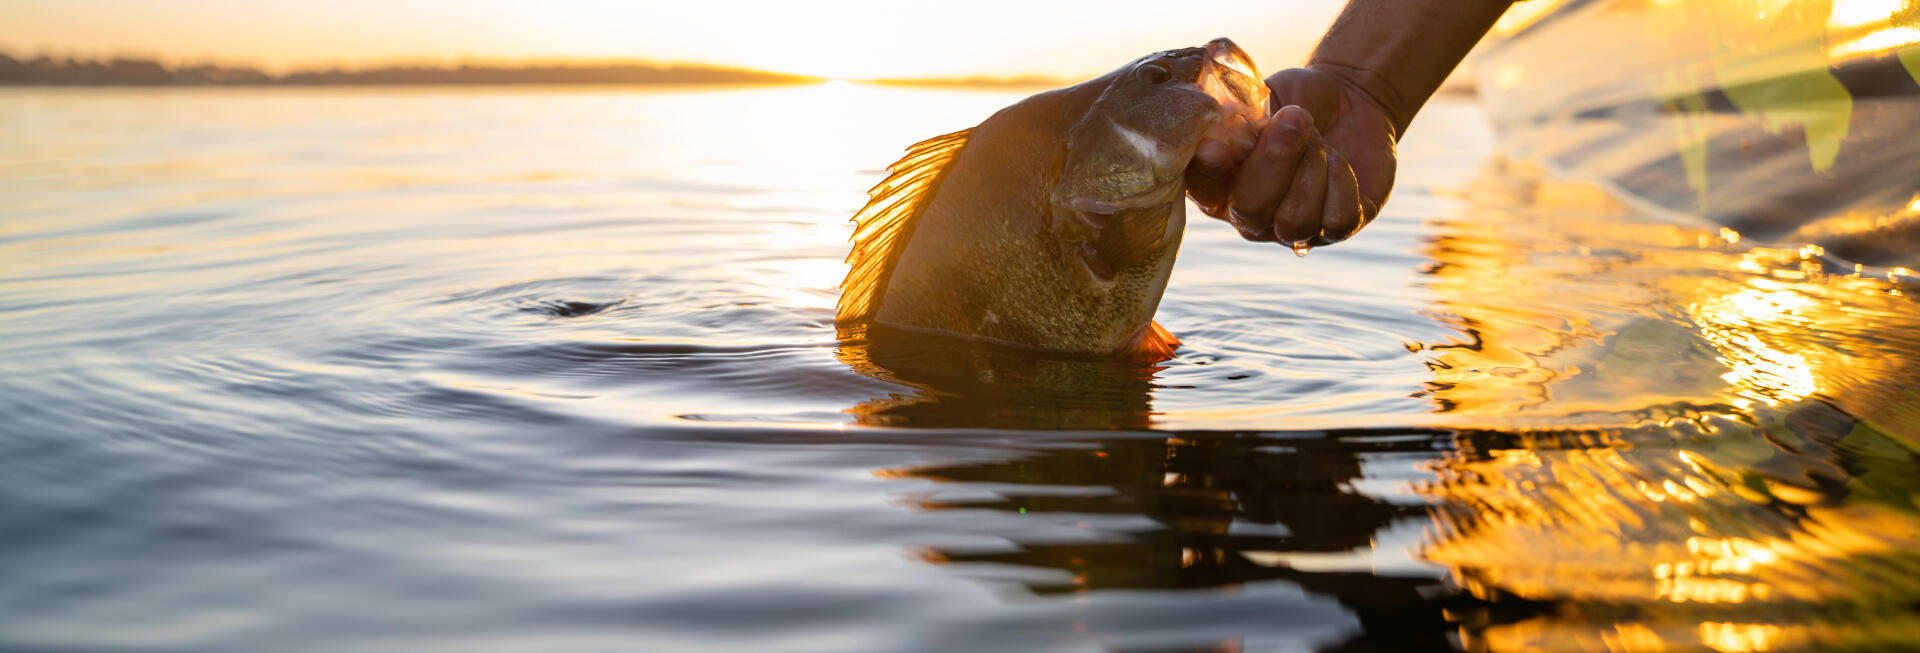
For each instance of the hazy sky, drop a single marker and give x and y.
(837, 38)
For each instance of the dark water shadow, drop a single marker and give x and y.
(959, 383)
(1228, 509)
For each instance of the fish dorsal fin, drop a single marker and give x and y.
(882, 228)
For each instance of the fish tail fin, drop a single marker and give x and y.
(883, 227)
(1156, 344)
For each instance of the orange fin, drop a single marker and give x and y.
(883, 227)
(1156, 344)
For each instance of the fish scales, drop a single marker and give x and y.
(1054, 224)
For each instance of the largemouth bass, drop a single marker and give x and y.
(1053, 224)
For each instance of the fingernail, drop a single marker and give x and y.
(1297, 117)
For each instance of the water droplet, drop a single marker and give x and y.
(1300, 247)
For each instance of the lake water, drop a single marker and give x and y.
(523, 369)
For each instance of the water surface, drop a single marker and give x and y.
(510, 369)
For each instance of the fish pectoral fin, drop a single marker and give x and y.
(1155, 344)
(1134, 236)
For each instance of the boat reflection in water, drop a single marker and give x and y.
(1695, 443)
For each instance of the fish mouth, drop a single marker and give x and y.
(1231, 78)
(1225, 53)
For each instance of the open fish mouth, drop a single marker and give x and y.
(1231, 78)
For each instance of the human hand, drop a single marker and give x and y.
(1315, 172)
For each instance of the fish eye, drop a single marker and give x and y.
(1153, 73)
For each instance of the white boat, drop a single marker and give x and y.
(1790, 122)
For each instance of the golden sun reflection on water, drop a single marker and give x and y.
(1756, 368)
(1699, 445)
(1583, 320)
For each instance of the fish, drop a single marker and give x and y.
(1053, 224)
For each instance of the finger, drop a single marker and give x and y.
(1340, 218)
(1298, 217)
(1268, 172)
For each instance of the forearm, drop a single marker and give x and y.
(1399, 51)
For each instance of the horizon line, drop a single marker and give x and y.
(66, 70)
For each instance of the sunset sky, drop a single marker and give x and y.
(831, 38)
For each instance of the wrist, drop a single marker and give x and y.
(1396, 53)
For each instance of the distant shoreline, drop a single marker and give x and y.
(48, 71)
(45, 71)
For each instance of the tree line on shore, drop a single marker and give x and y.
(119, 71)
